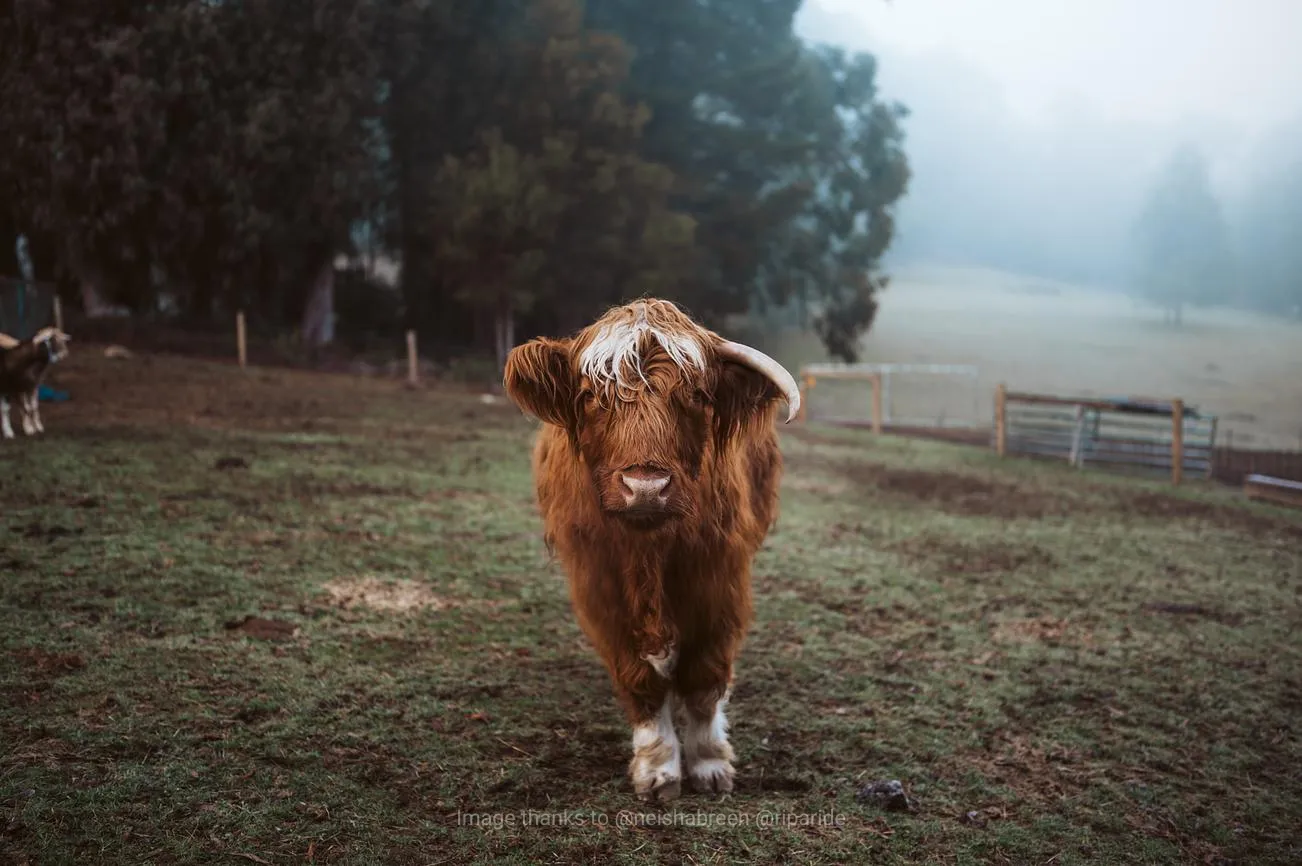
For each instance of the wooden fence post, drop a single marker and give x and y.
(1001, 422)
(411, 358)
(58, 314)
(1212, 450)
(877, 402)
(241, 342)
(1177, 440)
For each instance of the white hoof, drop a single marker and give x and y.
(712, 776)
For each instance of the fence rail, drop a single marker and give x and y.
(1136, 435)
(936, 406)
(1127, 434)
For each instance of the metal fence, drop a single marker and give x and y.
(896, 396)
(25, 307)
(1122, 433)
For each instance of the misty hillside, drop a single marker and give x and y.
(1057, 198)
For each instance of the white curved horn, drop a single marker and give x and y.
(775, 372)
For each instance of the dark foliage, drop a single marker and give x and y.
(528, 162)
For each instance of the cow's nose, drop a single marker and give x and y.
(643, 486)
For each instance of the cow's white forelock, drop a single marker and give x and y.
(614, 350)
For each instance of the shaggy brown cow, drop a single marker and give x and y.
(657, 475)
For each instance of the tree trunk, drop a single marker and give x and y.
(504, 333)
(93, 301)
(319, 312)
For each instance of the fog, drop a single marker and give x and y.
(1037, 129)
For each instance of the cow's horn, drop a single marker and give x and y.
(761, 363)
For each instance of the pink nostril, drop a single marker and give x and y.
(643, 485)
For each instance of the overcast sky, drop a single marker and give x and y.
(1135, 59)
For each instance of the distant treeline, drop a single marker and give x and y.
(528, 162)
(1188, 252)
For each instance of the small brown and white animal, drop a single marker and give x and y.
(23, 364)
(657, 475)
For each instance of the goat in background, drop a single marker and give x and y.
(23, 365)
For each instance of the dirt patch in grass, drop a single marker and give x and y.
(1049, 630)
(1158, 505)
(262, 629)
(957, 493)
(956, 557)
(391, 596)
(962, 494)
(48, 665)
(39, 669)
(1193, 611)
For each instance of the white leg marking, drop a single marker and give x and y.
(707, 752)
(664, 661)
(5, 428)
(657, 765)
(36, 411)
(25, 412)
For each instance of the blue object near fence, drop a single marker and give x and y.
(49, 395)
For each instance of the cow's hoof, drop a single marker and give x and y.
(712, 776)
(660, 789)
(657, 774)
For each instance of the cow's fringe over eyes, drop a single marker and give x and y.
(617, 347)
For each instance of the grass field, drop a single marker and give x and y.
(1060, 339)
(271, 617)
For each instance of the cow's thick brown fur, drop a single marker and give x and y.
(665, 596)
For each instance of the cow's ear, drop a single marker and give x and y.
(741, 394)
(540, 379)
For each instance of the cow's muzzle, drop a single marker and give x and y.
(645, 489)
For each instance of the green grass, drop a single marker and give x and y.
(1099, 670)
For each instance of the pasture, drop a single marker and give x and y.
(275, 617)
(1054, 338)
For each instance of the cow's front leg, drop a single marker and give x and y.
(656, 768)
(657, 765)
(705, 683)
(6, 429)
(35, 402)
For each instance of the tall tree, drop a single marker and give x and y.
(786, 157)
(1182, 248)
(555, 204)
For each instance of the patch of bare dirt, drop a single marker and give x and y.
(956, 557)
(41, 668)
(47, 664)
(1159, 505)
(956, 493)
(1195, 611)
(263, 629)
(962, 494)
(392, 596)
(1048, 630)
